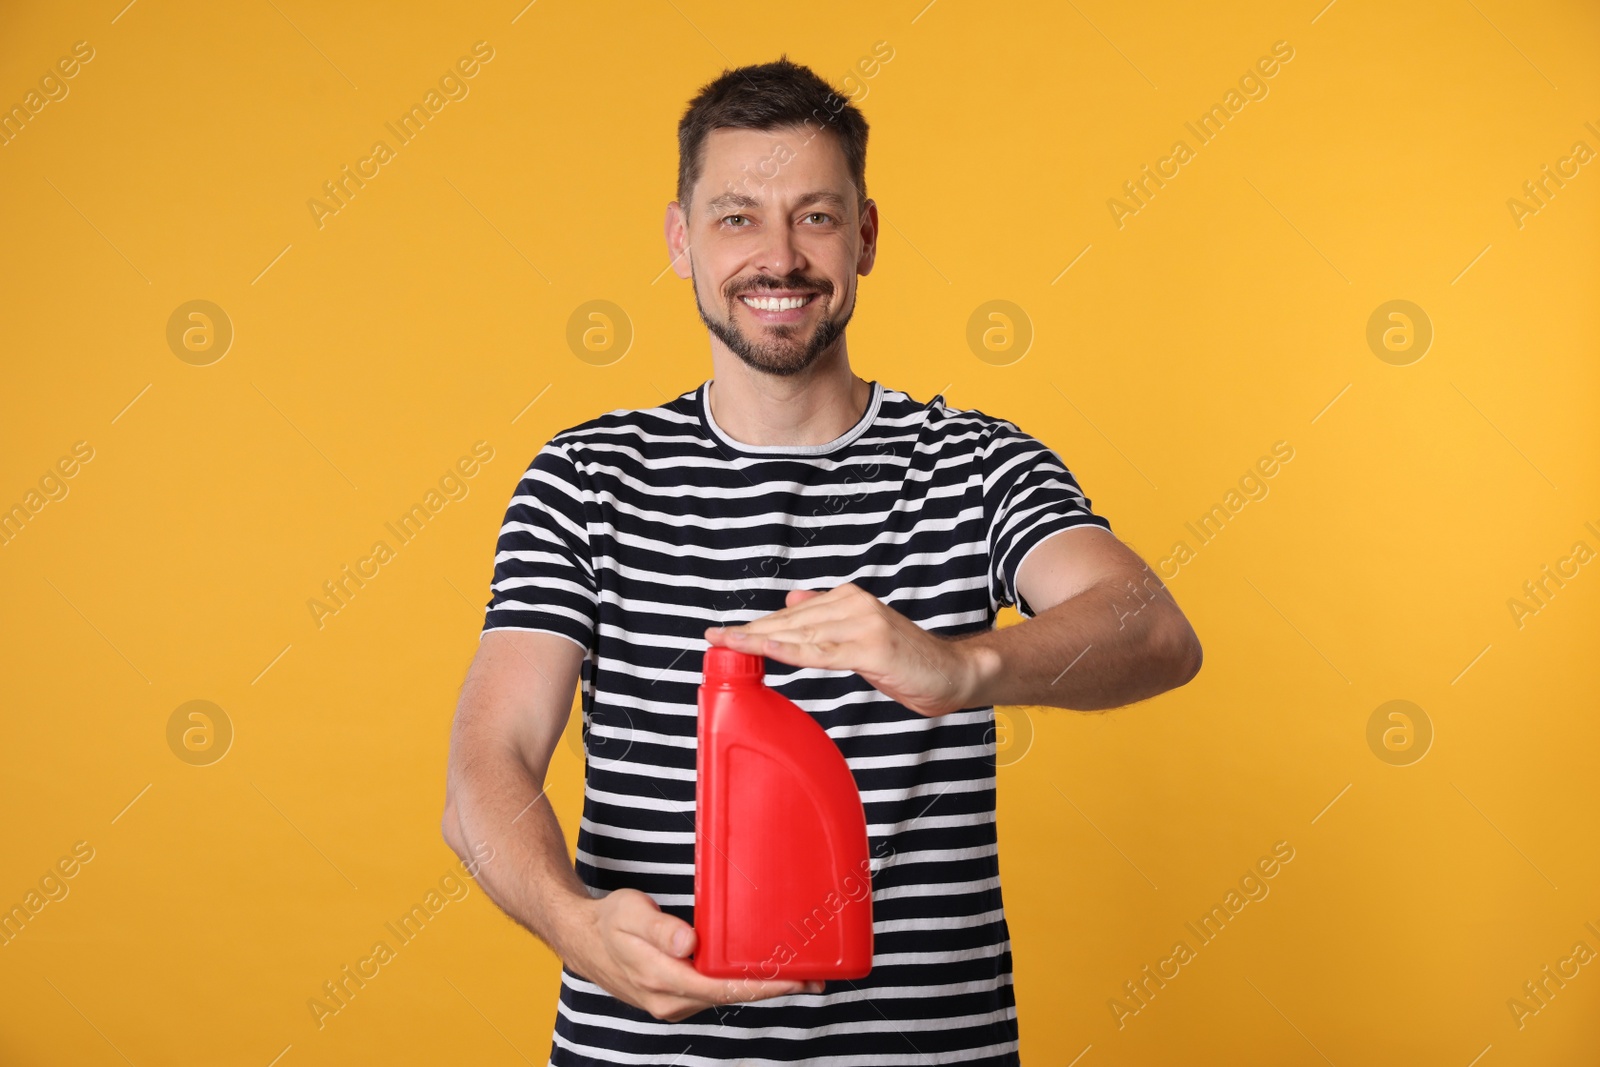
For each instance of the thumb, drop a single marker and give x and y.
(674, 936)
(800, 596)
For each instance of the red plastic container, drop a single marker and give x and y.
(782, 879)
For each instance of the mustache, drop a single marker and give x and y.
(800, 284)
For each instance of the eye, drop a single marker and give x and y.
(725, 218)
(820, 215)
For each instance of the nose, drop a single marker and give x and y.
(781, 254)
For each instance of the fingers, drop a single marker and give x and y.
(801, 602)
(826, 646)
(690, 984)
(868, 625)
(673, 939)
(846, 628)
(792, 625)
(671, 988)
(693, 1007)
(648, 949)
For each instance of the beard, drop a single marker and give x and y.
(781, 349)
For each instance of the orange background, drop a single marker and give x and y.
(431, 312)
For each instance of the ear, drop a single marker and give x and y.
(869, 238)
(676, 231)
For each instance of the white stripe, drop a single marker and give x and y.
(918, 725)
(758, 1033)
(671, 900)
(1015, 450)
(648, 801)
(939, 855)
(868, 796)
(686, 900)
(641, 770)
(689, 465)
(685, 1059)
(931, 754)
(928, 822)
(628, 833)
(541, 582)
(842, 994)
(936, 889)
(687, 774)
(609, 863)
(888, 796)
(686, 868)
(938, 922)
(818, 551)
(925, 754)
(691, 669)
(686, 837)
(914, 727)
(960, 955)
(959, 552)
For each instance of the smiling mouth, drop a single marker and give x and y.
(777, 303)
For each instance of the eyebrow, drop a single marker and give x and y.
(741, 200)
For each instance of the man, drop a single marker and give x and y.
(863, 543)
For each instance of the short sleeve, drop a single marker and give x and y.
(543, 569)
(1029, 494)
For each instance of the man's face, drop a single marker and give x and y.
(774, 219)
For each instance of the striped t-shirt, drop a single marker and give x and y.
(630, 534)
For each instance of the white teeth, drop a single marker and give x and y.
(772, 303)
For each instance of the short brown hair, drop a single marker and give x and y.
(770, 96)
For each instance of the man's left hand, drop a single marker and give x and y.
(849, 629)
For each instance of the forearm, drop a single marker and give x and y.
(1100, 649)
(504, 813)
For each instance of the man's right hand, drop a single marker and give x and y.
(516, 699)
(625, 944)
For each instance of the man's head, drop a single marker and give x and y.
(772, 206)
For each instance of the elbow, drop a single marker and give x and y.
(1191, 664)
(1193, 656)
(450, 826)
(1183, 652)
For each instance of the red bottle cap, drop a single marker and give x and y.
(723, 664)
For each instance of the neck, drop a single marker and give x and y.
(809, 408)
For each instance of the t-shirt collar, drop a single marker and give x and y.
(718, 434)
